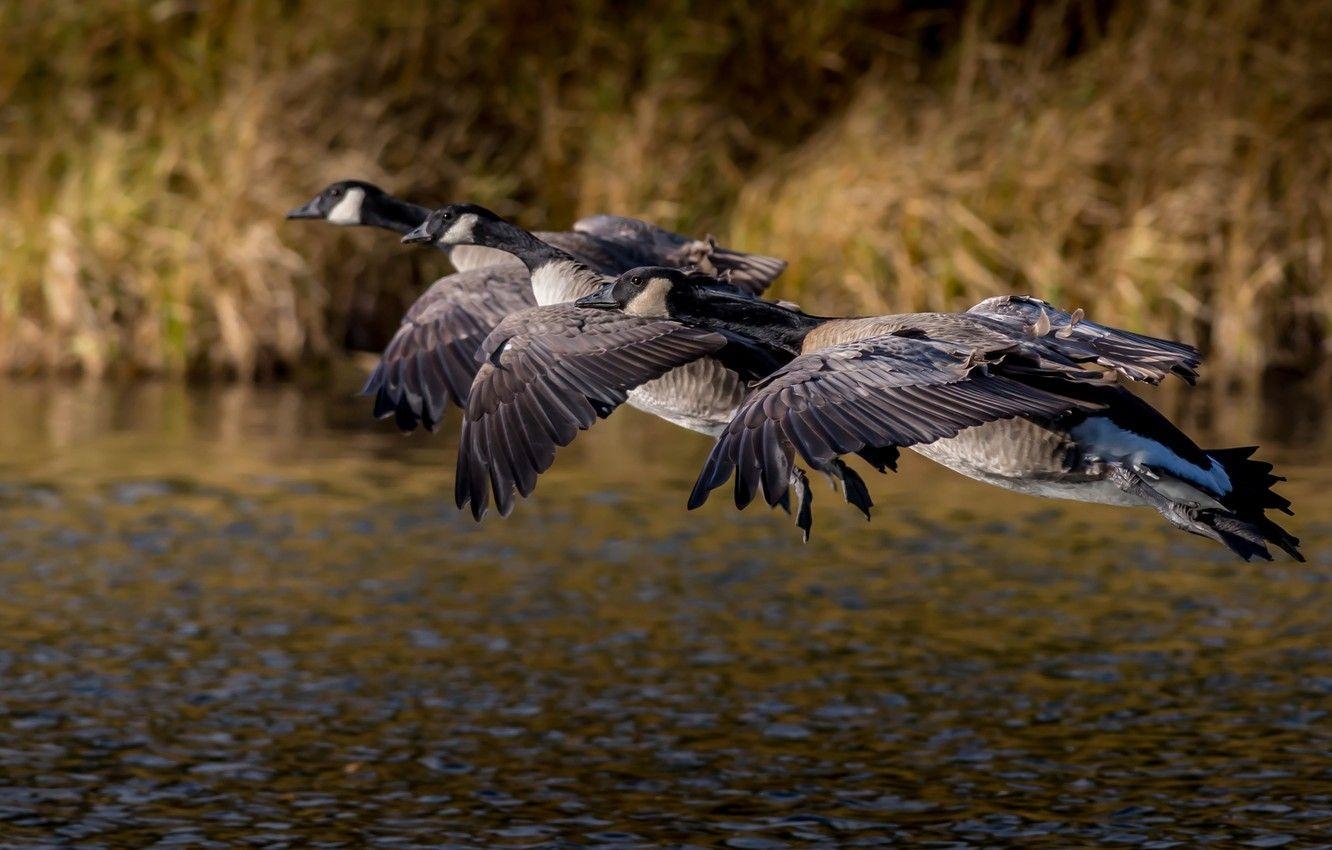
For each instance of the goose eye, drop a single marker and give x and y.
(636, 280)
(446, 216)
(335, 192)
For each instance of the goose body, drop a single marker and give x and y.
(1066, 458)
(1110, 448)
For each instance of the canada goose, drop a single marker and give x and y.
(560, 269)
(553, 370)
(431, 359)
(701, 396)
(1113, 449)
(607, 243)
(1011, 393)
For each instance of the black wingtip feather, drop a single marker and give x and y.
(805, 495)
(854, 488)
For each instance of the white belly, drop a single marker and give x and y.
(642, 399)
(701, 396)
(1025, 457)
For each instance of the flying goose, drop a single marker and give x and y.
(1113, 449)
(431, 360)
(1012, 393)
(551, 371)
(608, 243)
(700, 396)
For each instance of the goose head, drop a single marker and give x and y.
(638, 292)
(664, 292)
(345, 202)
(461, 224)
(702, 300)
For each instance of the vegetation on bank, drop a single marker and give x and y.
(1166, 166)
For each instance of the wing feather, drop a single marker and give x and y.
(642, 244)
(431, 360)
(547, 373)
(1135, 356)
(871, 396)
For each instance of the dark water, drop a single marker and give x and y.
(251, 618)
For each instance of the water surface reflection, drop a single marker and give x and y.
(248, 617)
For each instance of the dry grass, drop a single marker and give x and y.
(1176, 177)
(1170, 170)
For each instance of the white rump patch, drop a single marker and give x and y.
(1104, 439)
(348, 210)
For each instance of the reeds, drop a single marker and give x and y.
(1167, 167)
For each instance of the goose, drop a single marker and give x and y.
(431, 359)
(356, 203)
(1013, 393)
(553, 370)
(608, 243)
(700, 394)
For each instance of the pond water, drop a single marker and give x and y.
(251, 617)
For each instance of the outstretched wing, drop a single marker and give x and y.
(645, 244)
(549, 372)
(432, 358)
(863, 396)
(1135, 356)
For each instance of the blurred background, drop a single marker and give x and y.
(1167, 166)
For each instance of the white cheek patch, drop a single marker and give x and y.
(651, 302)
(348, 210)
(461, 231)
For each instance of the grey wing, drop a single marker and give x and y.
(655, 246)
(549, 372)
(863, 396)
(432, 358)
(1135, 356)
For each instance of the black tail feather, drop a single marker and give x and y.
(1252, 480)
(1246, 524)
(1239, 524)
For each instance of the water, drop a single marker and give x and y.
(251, 618)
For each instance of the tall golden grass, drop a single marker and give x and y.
(1167, 166)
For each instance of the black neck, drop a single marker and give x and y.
(522, 244)
(393, 214)
(764, 322)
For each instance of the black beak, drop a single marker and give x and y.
(601, 298)
(310, 210)
(419, 235)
